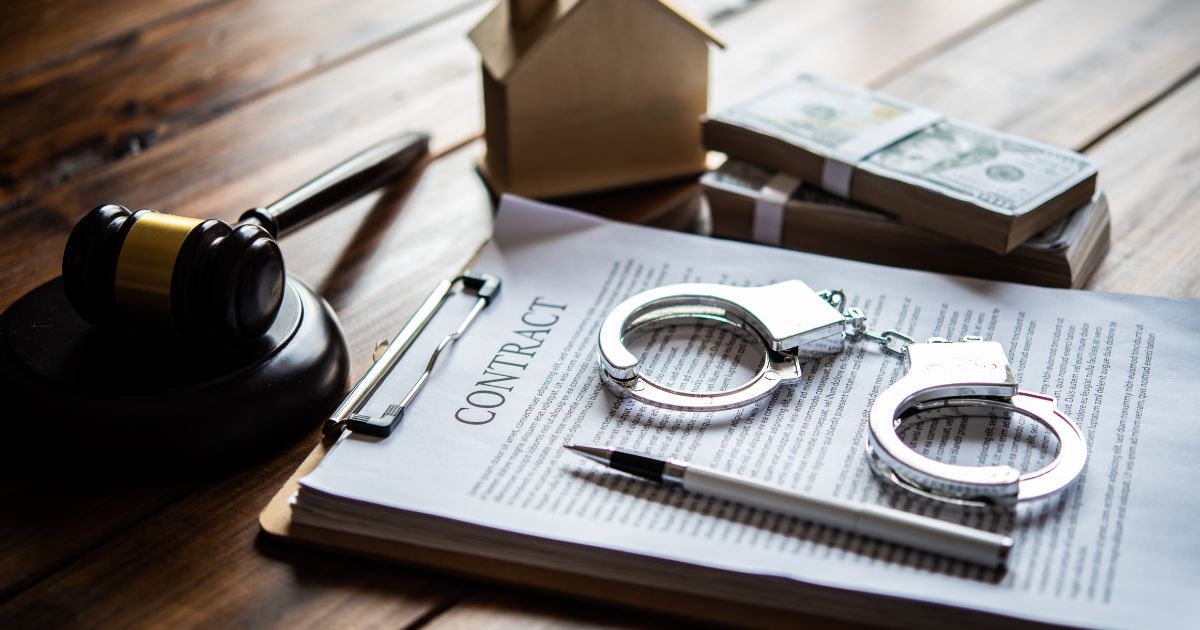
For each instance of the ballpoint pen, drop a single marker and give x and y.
(875, 521)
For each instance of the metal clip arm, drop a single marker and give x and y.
(348, 414)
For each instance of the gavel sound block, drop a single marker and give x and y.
(181, 344)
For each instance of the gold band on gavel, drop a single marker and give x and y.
(147, 262)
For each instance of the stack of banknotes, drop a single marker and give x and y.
(841, 170)
(1063, 255)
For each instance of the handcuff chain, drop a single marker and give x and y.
(890, 341)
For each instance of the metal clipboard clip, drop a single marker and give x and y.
(349, 413)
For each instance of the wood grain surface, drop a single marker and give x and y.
(179, 74)
(208, 107)
(1150, 168)
(42, 36)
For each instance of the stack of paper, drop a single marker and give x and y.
(477, 466)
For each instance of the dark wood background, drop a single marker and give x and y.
(208, 107)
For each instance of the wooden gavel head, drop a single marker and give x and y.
(201, 279)
(206, 279)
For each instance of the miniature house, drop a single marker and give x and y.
(583, 95)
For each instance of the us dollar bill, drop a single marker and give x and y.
(1004, 174)
(818, 115)
(999, 172)
(748, 179)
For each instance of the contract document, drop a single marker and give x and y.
(477, 465)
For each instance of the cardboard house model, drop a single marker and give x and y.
(583, 95)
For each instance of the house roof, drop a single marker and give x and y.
(502, 47)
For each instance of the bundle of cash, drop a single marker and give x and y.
(973, 184)
(1063, 255)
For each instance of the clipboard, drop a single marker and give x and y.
(811, 603)
(276, 519)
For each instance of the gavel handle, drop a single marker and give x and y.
(341, 184)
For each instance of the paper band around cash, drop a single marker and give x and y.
(838, 170)
(768, 208)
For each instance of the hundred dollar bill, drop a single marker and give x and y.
(818, 114)
(1062, 255)
(999, 172)
(980, 185)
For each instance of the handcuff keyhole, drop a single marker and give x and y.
(696, 357)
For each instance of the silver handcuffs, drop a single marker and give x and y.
(794, 323)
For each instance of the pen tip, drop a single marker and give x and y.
(595, 453)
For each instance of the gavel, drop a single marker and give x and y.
(206, 279)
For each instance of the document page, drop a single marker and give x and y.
(483, 443)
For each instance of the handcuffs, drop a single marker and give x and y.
(794, 323)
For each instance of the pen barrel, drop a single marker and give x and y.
(934, 535)
(882, 523)
(341, 184)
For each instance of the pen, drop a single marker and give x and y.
(882, 523)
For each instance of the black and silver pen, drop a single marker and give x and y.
(882, 523)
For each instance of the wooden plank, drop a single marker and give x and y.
(40, 34)
(502, 609)
(265, 148)
(119, 100)
(1060, 71)
(860, 43)
(211, 570)
(498, 609)
(1152, 174)
(50, 521)
(373, 282)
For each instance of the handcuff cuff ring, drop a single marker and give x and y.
(790, 320)
(973, 378)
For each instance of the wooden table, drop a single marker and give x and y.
(208, 107)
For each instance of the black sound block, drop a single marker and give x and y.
(72, 394)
